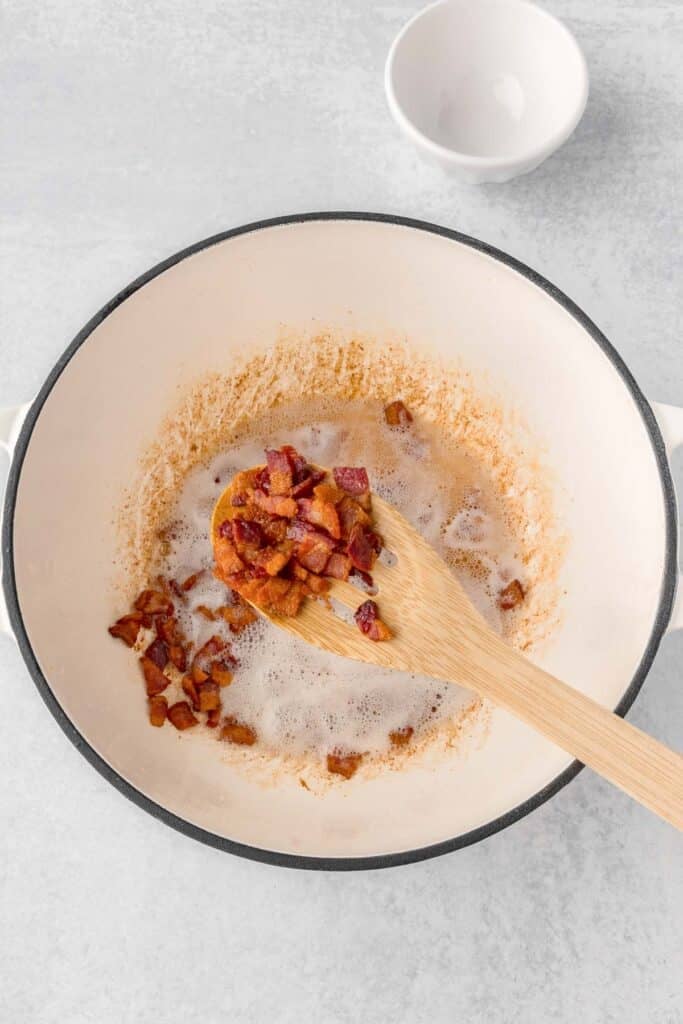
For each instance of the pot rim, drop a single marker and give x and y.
(664, 609)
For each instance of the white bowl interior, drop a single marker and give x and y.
(352, 275)
(495, 78)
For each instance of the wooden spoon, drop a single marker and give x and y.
(438, 632)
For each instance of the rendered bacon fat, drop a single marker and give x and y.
(290, 529)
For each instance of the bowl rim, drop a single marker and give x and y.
(537, 152)
(664, 608)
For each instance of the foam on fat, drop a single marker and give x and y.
(302, 700)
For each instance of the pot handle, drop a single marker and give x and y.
(670, 419)
(11, 420)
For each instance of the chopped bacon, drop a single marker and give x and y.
(209, 696)
(350, 514)
(338, 566)
(401, 737)
(328, 493)
(317, 585)
(300, 467)
(155, 680)
(273, 560)
(181, 716)
(397, 415)
(158, 653)
(343, 764)
(221, 674)
(511, 596)
(213, 718)
(177, 657)
(202, 660)
(247, 536)
(128, 627)
(280, 471)
(192, 580)
(237, 616)
(303, 489)
(168, 630)
(276, 505)
(237, 732)
(239, 500)
(153, 602)
(227, 559)
(365, 578)
(225, 529)
(198, 675)
(353, 481)
(363, 547)
(190, 685)
(158, 708)
(261, 480)
(314, 551)
(368, 621)
(323, 513)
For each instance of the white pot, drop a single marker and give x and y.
(76, 445)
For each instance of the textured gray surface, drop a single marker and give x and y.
(128, 131)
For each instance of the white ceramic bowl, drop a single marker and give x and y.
(487, 89)
(78, 443)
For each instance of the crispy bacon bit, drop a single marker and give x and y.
(158, 708)
(261, 480)
(153, 602)
(181, 716)
(177, 657)
(511, 596)
(206, 613)
(198, 675)
(220, 674)
(323, 513)
(239, 500)
(213, 718)
(225, 529)
(190, 685)
(273, 560)
(314, 551)
(338, 566)
(328, 493)
(351, 514)
(205, 655)
(363, 547)
(237, 732)
(353, 481)
(158, 653)
(280, 470)
(227, 559)
(209, 696)
(401, 737)
(237, 616)
(168, 630)
(343, 764)
(397, 415)
(246, 535)
(192, 580)
(128, 627)
(368, 621)
(276, 504)
(303, 489)
(155, 680)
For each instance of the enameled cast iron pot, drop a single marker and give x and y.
(78, 441)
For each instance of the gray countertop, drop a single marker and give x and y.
(128, 131)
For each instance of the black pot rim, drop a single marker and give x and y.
(666, 599)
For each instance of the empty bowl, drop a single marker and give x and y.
(487, 89)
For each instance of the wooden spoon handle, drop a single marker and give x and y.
(643, 767)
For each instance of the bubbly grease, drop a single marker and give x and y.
(302, 700)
